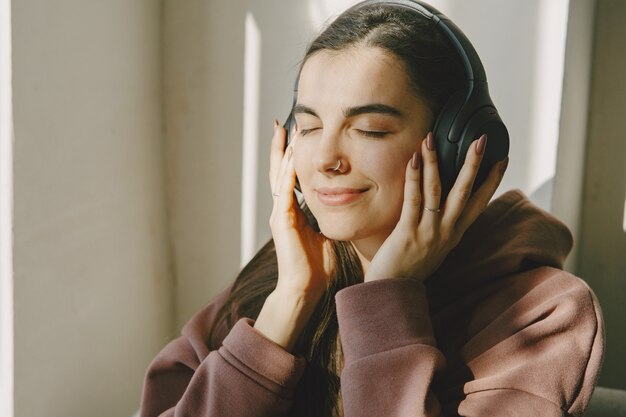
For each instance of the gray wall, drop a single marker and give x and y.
(602, 260)
(92, 286)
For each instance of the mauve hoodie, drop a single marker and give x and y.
(498, 330)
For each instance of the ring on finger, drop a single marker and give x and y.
(437, 210)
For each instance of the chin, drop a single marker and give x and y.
(334, 235)
(341, 230)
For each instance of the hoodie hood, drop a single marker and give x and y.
(511, 235)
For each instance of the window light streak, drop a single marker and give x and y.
(252, 76)
(6, 214)
(549, 66)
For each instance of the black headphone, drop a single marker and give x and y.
(467, 114)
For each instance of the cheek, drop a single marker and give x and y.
(301, 163)
(386, 168)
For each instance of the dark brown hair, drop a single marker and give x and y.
(435, 72)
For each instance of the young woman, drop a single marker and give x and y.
(374, 297)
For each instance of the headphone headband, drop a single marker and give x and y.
(473, 66)
(468, 113)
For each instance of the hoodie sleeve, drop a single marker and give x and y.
(248, 375)
(540, 356)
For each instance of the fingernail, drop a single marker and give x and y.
(289, 153)
(430, 143)
(275, 125)
(415, 161)
(480, 146)
(503, 165)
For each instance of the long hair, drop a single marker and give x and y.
(435, 72)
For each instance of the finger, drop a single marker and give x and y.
(276, 154)
(431, 194)
(287, 180)
(462, 189)
(479, 201)
(412, 194)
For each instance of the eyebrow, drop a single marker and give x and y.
(354, 111)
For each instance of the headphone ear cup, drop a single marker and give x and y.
(485, 120)
(452, 151)
(447, 149)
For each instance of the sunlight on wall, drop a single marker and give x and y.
(252, 82)
(6, 204)
(551, 32)
(322, 12)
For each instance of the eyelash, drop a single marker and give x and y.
(363, 132)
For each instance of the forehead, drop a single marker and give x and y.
(355, 76)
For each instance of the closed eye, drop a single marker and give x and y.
(372, 134)
(368, 133)
(305, 131)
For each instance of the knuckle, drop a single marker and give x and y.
(464, 194)
(452, 239)
(456, 240)
(445, 235)
(414, 201)
(413, 176)
(434, 188)
(430, 235)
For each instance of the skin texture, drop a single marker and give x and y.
(392, 234)
(330, 82)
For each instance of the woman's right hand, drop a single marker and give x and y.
(305, 258)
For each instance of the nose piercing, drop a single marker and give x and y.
(338, 165)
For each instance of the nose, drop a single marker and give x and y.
(328, 158)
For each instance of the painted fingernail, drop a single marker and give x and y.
(415, 161)
(430, 143)
(503, 165)
(480, 146)
(275, 125)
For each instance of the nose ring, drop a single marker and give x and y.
(338, 165)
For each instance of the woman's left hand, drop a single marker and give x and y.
(421, 240)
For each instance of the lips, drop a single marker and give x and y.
(339, 196)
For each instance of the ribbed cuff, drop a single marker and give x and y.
(381, 315)
(259, 354)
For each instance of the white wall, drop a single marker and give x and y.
(568, 185)
(92, 285)
(6, 214)
(520, 42)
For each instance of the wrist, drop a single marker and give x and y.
(284, 315)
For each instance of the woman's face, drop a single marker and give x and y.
(332, 88)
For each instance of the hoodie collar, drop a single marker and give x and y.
(510, 236)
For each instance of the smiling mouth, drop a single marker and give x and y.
(339, 198)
